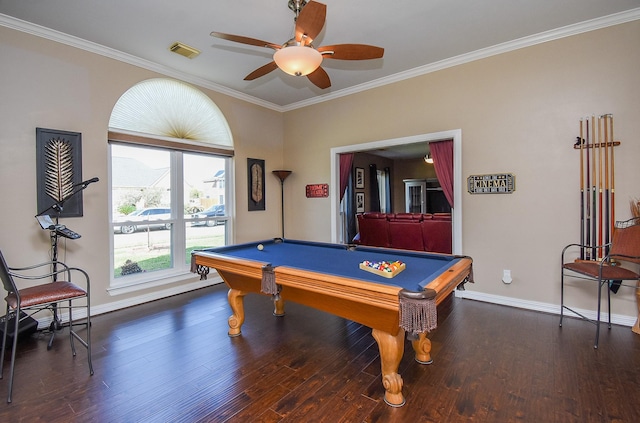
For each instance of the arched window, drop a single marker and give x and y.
(173, 109)
(170, 155)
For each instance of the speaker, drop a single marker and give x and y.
(27, 326)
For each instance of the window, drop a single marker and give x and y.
(170, 151)
(165, 203)
(384, 189)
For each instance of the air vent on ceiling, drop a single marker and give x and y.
(184, 50)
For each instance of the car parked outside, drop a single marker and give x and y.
(208, 216)
(144, 219)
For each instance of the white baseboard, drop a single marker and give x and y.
(617, 319)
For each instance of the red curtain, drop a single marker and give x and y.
(442, 153)
(346, 161)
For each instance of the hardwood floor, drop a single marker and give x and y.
(172, 361)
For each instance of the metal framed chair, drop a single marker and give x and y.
(608, 272)
(29, 301)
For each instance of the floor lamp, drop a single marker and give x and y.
(282, 175)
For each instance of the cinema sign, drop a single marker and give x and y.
(499, 183)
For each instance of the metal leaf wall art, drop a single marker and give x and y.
(59, 172)
(255, 175)
(256, 183)
(59, 168)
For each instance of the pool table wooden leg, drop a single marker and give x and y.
(422, 347)
(391, 351)
(278, 306)
(236, 301)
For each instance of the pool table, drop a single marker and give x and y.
(328, 277)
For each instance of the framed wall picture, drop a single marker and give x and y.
(58, 172)
(255, 178)
(359, 177)
(359, 202)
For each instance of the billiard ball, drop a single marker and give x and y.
(260, 247)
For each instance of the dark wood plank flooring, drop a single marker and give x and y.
(172, 361)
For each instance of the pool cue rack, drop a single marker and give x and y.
(597, 184)
(597, 145)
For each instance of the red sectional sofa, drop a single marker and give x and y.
(406, 231)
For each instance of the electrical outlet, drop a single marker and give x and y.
(506, 276)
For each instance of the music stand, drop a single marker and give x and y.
(55, 232)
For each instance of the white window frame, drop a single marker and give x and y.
(180, 271)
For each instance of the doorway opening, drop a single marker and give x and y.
(456, 211)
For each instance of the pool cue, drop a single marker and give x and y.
(588, 209)
(581, 141)
(593, 192)
(600, 191)
(606, 182)
(613, 203)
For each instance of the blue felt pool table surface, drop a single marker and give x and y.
(340, 260)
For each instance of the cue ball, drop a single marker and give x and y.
(260, 247)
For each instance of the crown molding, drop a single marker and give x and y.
(62, 38)
(543, 37)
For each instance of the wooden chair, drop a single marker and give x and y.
(31, 300)
(607, 273)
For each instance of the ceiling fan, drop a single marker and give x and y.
(298, 56)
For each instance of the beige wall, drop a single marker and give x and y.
(518, 113)
(50, 85)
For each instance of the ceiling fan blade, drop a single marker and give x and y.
(310, 22)
(246, 40)
(261, 71)
(320, 78)
(351, 52)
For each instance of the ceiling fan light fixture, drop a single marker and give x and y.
(428, 158)
(298, 60)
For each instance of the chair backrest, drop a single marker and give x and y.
(405, 235)
(373, 229)
(436, 235)
(625, 244)
(416, 217)
(7, 280)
